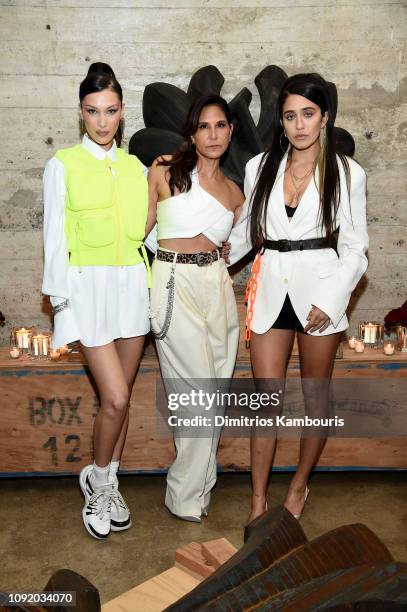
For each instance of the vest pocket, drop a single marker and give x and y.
(135, 233)
(90, 192)
(96, 230)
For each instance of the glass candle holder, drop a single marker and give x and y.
(390, 334)
(352, 342)
(23, 338)
(371, 333)
(359, 346)
(14, 349)
(40, 346)
(388, 348)
(402, 338)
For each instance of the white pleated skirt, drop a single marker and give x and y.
(106, 303)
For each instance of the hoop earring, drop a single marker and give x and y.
(283, 134)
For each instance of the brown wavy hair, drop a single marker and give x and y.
(185, 158)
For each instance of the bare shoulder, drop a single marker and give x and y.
(158, 162)
(158, 170)
(237, 197)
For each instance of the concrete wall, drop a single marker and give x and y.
(47, 46)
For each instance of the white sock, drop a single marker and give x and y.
(114, 468)
(100, 475)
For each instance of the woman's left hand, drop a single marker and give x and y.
(225, 251)
(317, 320)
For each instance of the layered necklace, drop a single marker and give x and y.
(298, 183)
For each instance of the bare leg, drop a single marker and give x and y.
(317, 358)
(269, 354)
(106, 368)
(130, 351)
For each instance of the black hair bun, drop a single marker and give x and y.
(101, 68)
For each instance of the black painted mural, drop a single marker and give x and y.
(165, 108)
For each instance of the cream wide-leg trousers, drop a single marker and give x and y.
(201, 343)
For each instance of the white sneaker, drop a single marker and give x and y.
(98, 502)
(120, 514)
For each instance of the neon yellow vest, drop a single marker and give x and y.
(105, 208)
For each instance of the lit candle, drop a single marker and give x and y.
(45, 345)
(14, 352)
(352, 342)
(55, 354)
(22, 338)
(359, 346)
(388, 348)
(370, 333)
(64, 349)
(37, 345)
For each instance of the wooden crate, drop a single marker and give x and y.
(48, 409)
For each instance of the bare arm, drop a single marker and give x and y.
(153, 178)
(237, 200)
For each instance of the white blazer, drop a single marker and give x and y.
(310, 277)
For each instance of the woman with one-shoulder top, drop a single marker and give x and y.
(193, 309)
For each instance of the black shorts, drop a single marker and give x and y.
(287, 319)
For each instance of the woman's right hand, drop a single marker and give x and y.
(225, 251)
(317, 319)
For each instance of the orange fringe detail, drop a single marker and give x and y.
(250, 296)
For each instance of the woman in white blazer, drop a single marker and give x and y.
(300, 195)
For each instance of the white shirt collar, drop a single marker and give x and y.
(93, 148)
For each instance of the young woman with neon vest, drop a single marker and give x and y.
(96, 274)
(297, 194)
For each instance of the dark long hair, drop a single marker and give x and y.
(100, 77)
(185, 158)
(314, 88)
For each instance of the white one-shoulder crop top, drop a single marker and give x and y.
(194, 212)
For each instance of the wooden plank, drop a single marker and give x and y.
(155, 594)
(217, 552)
(190, 559)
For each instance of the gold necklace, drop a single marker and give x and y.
(300, 178)
(298, 186)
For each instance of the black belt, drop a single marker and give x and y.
(204, 258)
(300, 245)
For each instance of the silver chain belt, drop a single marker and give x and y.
(170, 304)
